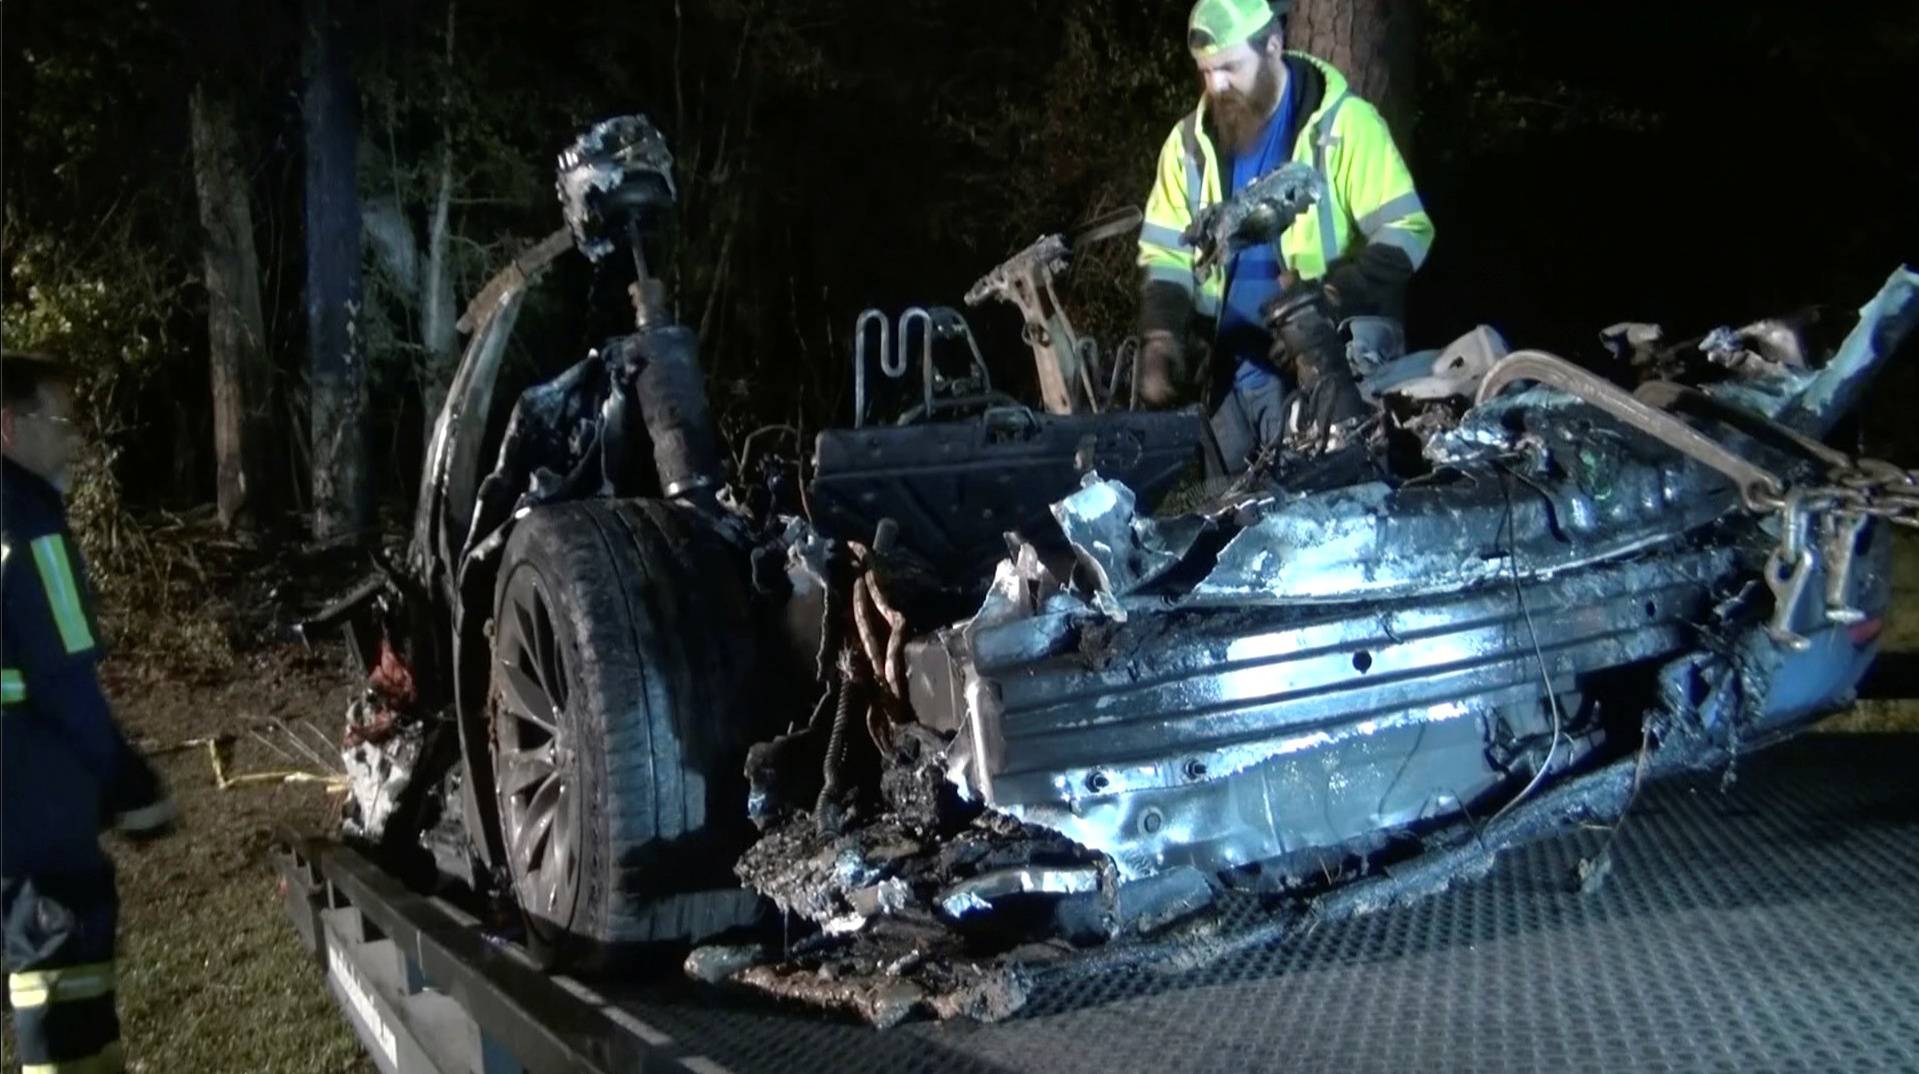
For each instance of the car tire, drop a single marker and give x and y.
(620, 717)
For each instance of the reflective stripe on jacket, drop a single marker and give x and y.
(1370, 194)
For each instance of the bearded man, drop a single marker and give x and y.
(1272, 313)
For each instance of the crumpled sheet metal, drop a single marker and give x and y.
(1884, 323)
(1610, 491)
(1122, 552)
(1371, 542)
(1318, 548)
(978, 894)
(378, 773)
(1022, 584)
(1331, 783)
(1811, 402)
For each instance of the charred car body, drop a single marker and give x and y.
(982, 707)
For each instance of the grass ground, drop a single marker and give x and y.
(212, 978)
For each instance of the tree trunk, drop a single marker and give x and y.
(236, 337)
(438, 318)
(342, 490)
(1371, 42)
(184, 479)
(438, 315)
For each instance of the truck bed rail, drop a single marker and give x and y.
(426, 989)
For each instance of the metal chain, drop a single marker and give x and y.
(1856, 491)
(1864, 487)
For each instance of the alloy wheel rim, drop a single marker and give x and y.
(533, 754)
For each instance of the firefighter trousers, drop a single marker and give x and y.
(59, 963)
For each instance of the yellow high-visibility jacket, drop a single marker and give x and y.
(1370, 201)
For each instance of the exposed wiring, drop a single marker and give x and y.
(854, 678)
(1545, 676)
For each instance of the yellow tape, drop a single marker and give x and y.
(334, 784)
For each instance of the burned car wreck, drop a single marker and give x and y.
(971, 710)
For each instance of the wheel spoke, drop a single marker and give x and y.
(520, 769)
(547, 650)
(560, 857)
(549, 884)
(524, 619)
(536, 824)
(528, 701)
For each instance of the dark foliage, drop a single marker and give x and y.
(1686, 163)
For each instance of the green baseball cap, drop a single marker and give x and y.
(1217, 25)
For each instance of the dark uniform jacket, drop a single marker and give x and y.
(66, 772)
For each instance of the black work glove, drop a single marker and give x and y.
(1306, 346)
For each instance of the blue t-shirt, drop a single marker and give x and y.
(1252, 277)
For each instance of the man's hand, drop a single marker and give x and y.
(149, 824)
(138, 804)
(1162, 363)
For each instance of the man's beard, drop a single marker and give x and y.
(1241, 117)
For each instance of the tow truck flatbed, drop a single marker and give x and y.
(1769, 926)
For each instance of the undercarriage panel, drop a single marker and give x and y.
(1221, 738)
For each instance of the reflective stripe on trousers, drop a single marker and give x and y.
(108, 1060)
(65, 1020)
